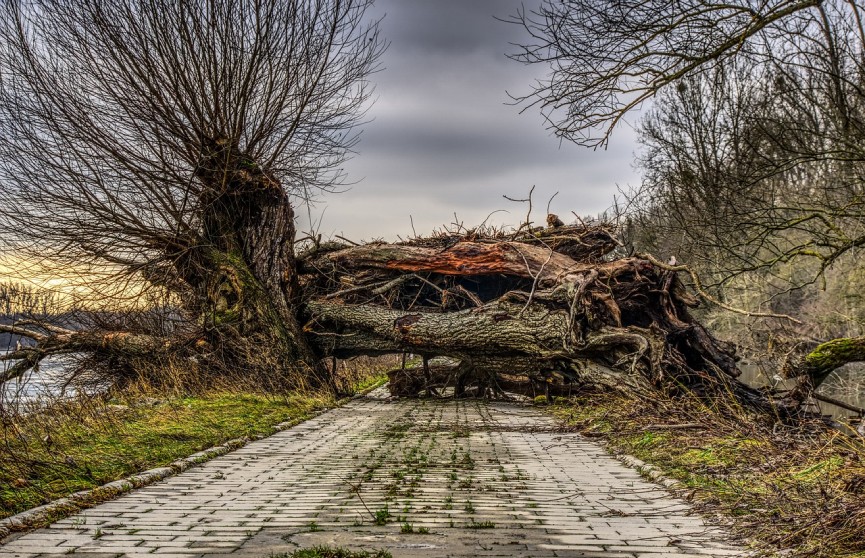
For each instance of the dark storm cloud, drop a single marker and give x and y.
(443, 137)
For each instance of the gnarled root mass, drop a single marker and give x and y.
(537, 311)
(541, 312)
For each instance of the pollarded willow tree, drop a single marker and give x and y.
(755, 145)
(160, 143)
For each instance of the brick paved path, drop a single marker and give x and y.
(468, 478)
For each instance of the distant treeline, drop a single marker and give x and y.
(17, 298)
(19, 301)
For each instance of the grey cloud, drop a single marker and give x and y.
(447, 26)
(441, 138)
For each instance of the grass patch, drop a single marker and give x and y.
(381, 516)
(334, 552)
(366, 384)
(78, 446)
(801, 490)
(82, 444)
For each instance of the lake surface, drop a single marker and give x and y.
(39, 387)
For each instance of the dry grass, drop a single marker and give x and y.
(799, 490)
(333, 552)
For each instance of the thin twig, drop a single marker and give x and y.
(528, 221)
(838, 403)
(430, 283)
(550, 202)
(536, 279)
(347, 240)
(352, 290)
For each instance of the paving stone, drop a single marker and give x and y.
(458, 478)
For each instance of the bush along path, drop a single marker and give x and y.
(407, 477)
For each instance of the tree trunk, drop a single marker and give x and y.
(814, 367)
(243, 275)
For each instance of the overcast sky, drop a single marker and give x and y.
(443, 138)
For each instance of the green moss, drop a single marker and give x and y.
(818, 470)
(828, 356)
(370, 383)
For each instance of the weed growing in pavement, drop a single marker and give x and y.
(382, 515)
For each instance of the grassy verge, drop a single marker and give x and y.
(84, 444)
(800, 491)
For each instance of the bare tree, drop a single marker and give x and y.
(606, 58)
(755, 150)
(159, 144)
(717, 181)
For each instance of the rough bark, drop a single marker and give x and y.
(244, 275)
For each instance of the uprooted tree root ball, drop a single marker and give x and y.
(537, 310)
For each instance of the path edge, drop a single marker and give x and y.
(648, 471)
(676, 488)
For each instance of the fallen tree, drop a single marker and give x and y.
(539, 311)
(180, 182)
(543, 310)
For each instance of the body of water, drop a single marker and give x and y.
(41, 386)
